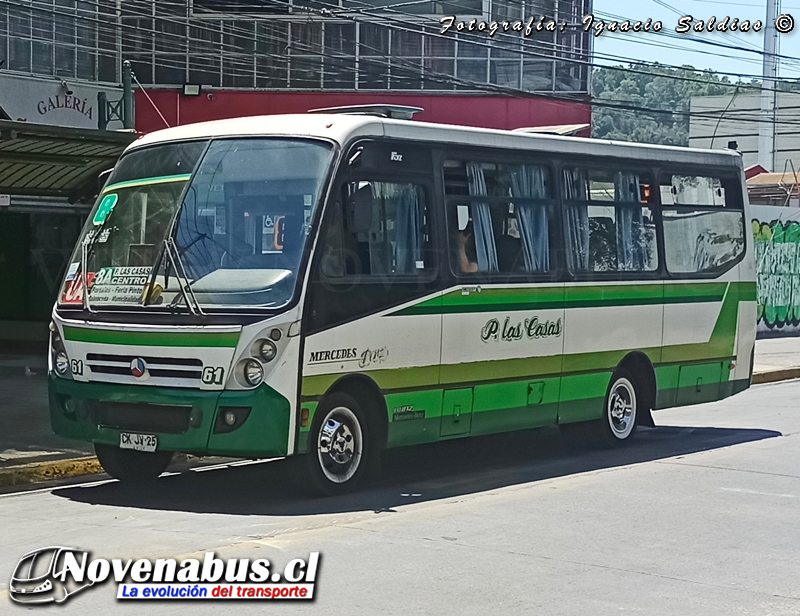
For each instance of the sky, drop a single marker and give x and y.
(680, 49)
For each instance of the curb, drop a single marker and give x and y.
(45, 471)
(773, 376)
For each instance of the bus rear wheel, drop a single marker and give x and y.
(132, 466)
(620, 413)
(338, 446)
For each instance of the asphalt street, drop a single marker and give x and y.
(700, 515)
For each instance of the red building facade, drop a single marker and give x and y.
(463, 109)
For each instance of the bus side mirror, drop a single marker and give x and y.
(103, 178)
(355, 158)
(360, 210)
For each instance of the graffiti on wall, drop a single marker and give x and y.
(777, 243)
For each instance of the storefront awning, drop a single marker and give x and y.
(36, 159)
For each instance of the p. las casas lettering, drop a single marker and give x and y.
(531, 328)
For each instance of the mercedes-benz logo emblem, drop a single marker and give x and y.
(138, 367)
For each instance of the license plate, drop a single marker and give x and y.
(139, 442)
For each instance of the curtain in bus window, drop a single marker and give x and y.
(408, 245)
(529, 182)
(576, 188)
(378, 255)
(630, 223)
(485, 249)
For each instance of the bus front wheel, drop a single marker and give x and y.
(338, 445)
(132, 466)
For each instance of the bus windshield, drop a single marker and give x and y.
(235, 213)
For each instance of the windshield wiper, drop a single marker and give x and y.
(171, 251)
(86, 251)
(84, 278)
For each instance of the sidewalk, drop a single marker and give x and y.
(29, 451)
(777, 359)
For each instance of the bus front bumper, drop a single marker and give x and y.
(186, 420)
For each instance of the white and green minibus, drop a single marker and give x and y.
(329, 285)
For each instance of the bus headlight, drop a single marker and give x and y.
(267, 350)
(253, 372)
(58, 355)
(61, 362)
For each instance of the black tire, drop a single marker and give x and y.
(338, 446)
(608, 431)
(132, 466)
(621, 409)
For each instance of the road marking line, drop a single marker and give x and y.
(757, 493)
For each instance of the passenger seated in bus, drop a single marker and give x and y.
(508, 248)
(509, 253)
(465, 247)
(340, 250)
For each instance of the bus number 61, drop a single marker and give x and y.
(212, 376)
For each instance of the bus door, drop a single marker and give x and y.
(374, 295)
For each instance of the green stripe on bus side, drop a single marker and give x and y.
(719, 346)
(164, 339)
(544, 298)
(162, 179)
(501, 407)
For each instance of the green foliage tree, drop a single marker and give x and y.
(653, 86)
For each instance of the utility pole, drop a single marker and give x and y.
(766, 126)
(122, 109)
(127, 94)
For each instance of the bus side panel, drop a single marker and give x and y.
(701, 341)
(518, 334)
(605, 322)
(398, 350)
(414, 416)
(746, 334)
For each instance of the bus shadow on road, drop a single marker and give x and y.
(412, 474)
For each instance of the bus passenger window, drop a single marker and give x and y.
(378, 228)
(609, 224)
(339, 249)
(703, 224)
(499, 217)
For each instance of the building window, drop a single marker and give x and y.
(305, 63)
(232, 44)
(272, 39)
(340, 50)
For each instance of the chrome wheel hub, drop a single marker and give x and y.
(340, 445)
(622, 408)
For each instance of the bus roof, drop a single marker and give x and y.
(342, 128)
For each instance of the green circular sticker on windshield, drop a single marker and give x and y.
(104, 209)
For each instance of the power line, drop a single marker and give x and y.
(184, 22)
(488, 87)
(702, 41)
